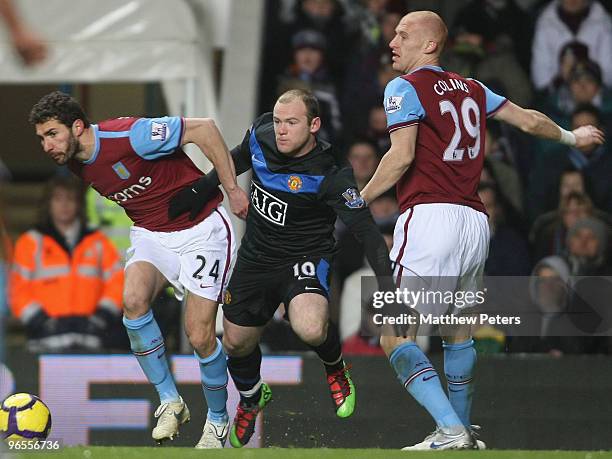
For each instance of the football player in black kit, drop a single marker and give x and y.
(296, 193)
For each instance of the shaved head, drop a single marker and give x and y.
(430, 25)
(419, 40)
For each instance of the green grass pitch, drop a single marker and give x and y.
(284, 453)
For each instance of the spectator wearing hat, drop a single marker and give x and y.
(308, 70)
(586, 87)
(284, 18)
(550, 291)
(553, 319)
(587, 246)
(328, 18)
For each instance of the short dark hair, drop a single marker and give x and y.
(365, 142)
(60, 106)
(310, 101)
(590, 109)
(586, 68)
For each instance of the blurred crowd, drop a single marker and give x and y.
(549, 205)
(545, 201)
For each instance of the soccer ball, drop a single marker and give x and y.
(24, 417)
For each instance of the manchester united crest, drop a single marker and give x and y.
(294, 183)
(227, 297)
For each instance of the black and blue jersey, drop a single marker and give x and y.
(294, 201)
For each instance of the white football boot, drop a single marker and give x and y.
(440, 440)
(169, 417)
(214, 435)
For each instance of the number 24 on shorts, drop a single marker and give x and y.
(214, 270)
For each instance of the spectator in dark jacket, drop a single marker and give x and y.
(508, 254)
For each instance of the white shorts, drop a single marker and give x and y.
(446, 243)
(196, 259)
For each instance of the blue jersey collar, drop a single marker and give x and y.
(96, 146)
(437, 68)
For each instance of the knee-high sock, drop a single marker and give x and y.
(459, 363)
(330, 351)
(213, 372)
(245, 371)
(418, 376)
(147, 344)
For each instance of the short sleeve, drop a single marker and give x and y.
(402, 105)
(342, 195)
(152, 138)
(493, 101)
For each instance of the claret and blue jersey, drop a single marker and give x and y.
(451, 113)
(139, 164)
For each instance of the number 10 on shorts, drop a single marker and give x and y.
(305, 269)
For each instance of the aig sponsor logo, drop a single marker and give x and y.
(268, 206)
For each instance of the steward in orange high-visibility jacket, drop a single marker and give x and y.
(80, 289)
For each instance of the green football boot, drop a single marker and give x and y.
(342, 392)
(246, 417)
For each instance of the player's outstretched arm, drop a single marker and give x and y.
(393, 165)
(204, 133)
(538, 124)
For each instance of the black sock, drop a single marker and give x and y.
(245, 371)
(330, 351)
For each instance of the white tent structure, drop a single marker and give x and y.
(170, 42)
(149, 41)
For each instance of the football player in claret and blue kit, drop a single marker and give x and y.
(139, 163)
(437, 123)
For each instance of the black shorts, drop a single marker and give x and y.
(253, 294)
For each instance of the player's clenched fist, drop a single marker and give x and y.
(239, 202)
(586, 136)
